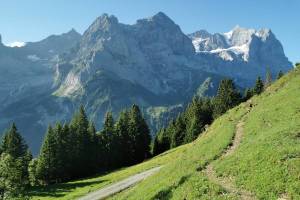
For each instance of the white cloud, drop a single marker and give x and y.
(16, 44)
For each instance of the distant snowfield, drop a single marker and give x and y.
(16, 44)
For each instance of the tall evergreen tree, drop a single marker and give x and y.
(259, 86)
(68, 143)
(161, 142)
(79, 126)
(178, 132)
(227, 97)
(115, 140)
(94, 161)
(139, 134)
(197, 115)
(11, 177)
(13, 143)
(46, 166)
(109, 142)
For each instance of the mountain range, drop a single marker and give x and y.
(112, 65)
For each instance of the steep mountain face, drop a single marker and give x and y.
(29, 69)
(153, 53)
(112, 65)
(241, 53)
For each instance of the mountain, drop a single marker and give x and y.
(112, 65)
(28, 69)
(153, 53)
(241, 53)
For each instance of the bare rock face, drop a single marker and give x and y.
(151, 52)
(31, 66)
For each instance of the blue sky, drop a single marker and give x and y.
(33, 20)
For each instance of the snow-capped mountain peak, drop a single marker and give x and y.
(236, 42)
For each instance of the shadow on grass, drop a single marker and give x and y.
(167, 193)
(59, 190)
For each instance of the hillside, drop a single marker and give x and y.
(262, 162)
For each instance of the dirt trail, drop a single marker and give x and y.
(119, 186)
(227, 182)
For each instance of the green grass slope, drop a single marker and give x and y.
(266, 163)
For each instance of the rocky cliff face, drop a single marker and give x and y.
(152, 53)
(113, 65)
(27, 69)
(241, 53)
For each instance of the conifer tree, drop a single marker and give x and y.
(59, 145)
(161, 142)
(178, 132)
(227, 97)
(109, 142)
(11, 177)
(68, 144)
(139, 134)
(123, 140)
(79, 127)
(46, 166)
(259, 86)
(94, 160)
(13, 143)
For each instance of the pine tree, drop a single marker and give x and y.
(123, 141)
(197, 115)
(61, 172)
(68, 143)
(139, 134)
(46, 166)
(280, 74)
(11, 177)
(108, 142)
(161, 142)
(178, 132)
(94, 162)
(13, 143)
(79, 127)
(259, 86)
(227, 97)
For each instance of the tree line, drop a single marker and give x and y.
(202, 111)
(73, 150)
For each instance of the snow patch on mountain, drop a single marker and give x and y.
(16, 44)
(236, 41)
